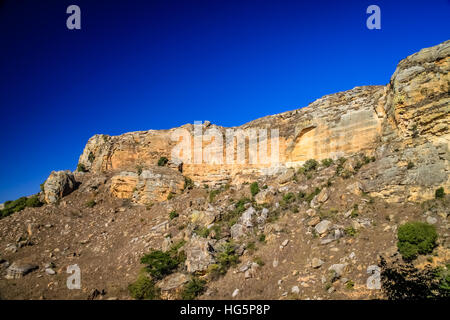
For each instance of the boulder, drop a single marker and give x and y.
(18, 270)
(322, 226)
(58, 185)
(199, 254)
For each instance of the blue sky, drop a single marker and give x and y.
(139, 65)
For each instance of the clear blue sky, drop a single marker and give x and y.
(139, 65)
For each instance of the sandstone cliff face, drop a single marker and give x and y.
(403, 122)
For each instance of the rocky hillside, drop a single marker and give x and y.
(355, 206)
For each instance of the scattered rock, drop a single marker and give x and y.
(235, 293)
(295, 289)
(323, 226)
(17, 270)
(316, 263)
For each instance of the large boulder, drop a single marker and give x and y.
(58, 185)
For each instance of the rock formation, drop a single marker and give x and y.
(404, 122)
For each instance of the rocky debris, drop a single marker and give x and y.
(316, 263)
(295, 290)
(355, 188)
(264, 196)
(286, 176)
(58, 185)
(18, 270)
(323, 226)
(245, 222)
(50, 271)
(338, 269)
(431, 220)
(284, 243)
(173, 281)
(199, 254)
(314, 221)
(235, 293)
(203, 218)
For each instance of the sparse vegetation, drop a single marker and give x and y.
(310, 165)
(327, 162)
(91, 157)
(439, 193)
(213, 194)
(81, 168)
(188, 183)
(91, 203)
(143, 288)
(193, 288)
(416, 238)
(259, 261)
(350, 285)
(160, 264)
(350, 231)
(226, 258)
(254, 188)
(139, 169)
(19, 204)
(173, 215)
(162, 161)
(170, 196)
(410, 165)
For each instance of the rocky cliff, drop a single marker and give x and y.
(404, 122)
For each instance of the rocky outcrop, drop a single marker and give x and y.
(58, 185)
(151, 185)
(405, 124)
(199, 254)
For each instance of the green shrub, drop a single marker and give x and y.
(162, 161)
(416, 238)
(262, 237)
(33, 202)
(193, 288)
(91, 203)
(227, 257)
(289, 197)
(173, 215)
(159, 263)
(310, 165)
(439, 193)
(311, 196)
(327, 162)
(143, 288)
(350, 231)
(81, 168)
(91, 157)
(170, 196)
(139, 169)
(259, 261)
(202, 232)
(410, 165)
(188, 183)
(213, 194)
(254, 188)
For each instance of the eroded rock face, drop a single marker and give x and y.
(404, 121)
(152, 185)
(58, 185)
